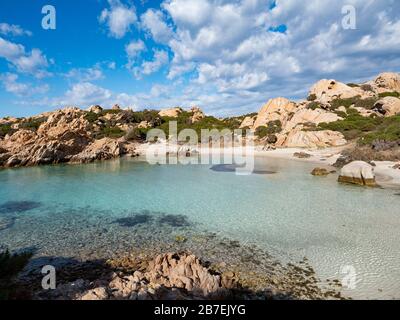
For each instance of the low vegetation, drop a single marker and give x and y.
(4, 130)
(272, 128)
(32, 124)
(366, 130)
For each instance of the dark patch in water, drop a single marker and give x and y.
(6, 223)
(134, 220)
(18, 206)
(175, 220)
(233, 167)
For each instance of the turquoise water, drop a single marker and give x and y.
(103, 208)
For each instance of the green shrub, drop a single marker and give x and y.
(5, 129)
(389, 94)
(262, 132)
(353, 85)
(314, 105)
(312, 97)
(366, 129)
(32, 124)
(91, 117)
(111, 132)
(366, 103)
(344, 102)
(136, 134)
(10, 266)
(272, 127)
(367, 87)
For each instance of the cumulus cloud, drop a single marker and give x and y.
(86, 74)
(134, 48)
(246, 51)
(154, 22)
(160, 58)
(13, 30)
(84, 94)
(11, 84)
(118, 18)
(33, 62)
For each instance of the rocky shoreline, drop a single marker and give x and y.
(178, 276)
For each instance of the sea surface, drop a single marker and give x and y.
(98, 210)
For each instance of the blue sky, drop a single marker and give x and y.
(228, 57)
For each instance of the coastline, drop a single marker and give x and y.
(386, 175)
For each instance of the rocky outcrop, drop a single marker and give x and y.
(248, 122)
(95, 109)
(170, 276)
(172, 112)
(275, 109)
(386, 82)
(388, 106)
(308, 116)
(103, 149)
(61, 136)
(311, 139)
(198, 114)
(325, 91)
(359, 173)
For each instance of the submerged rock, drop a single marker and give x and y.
(359, 173)
(320, 172)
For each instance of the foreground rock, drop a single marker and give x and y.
(182, 276)
(359, 173)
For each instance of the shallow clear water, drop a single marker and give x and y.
(99, 208)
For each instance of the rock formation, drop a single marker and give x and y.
(388, 106)
(61, 136)
(198, 114)
(359, 173)
(172, 112)
(387, 82)
(327, 90)
(311, 139)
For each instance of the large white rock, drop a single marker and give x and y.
(275, 109)
(358, 172)
(316, 117)
(326, 91)
(248, 122)
(388, 81)
(172, 112)
(388, 106)
(311, 139)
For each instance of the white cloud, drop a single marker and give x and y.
(154, 22)
(118, 18)
(160, 59)
(86, 74)
(134, 48)
(11, 84)
(34, 63)
(83, 94)
(148, 67)
(13, 30)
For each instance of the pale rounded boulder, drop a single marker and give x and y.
(388, 81)
(388, 106)
(326, 91)
(172, 112)
(358, 172)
